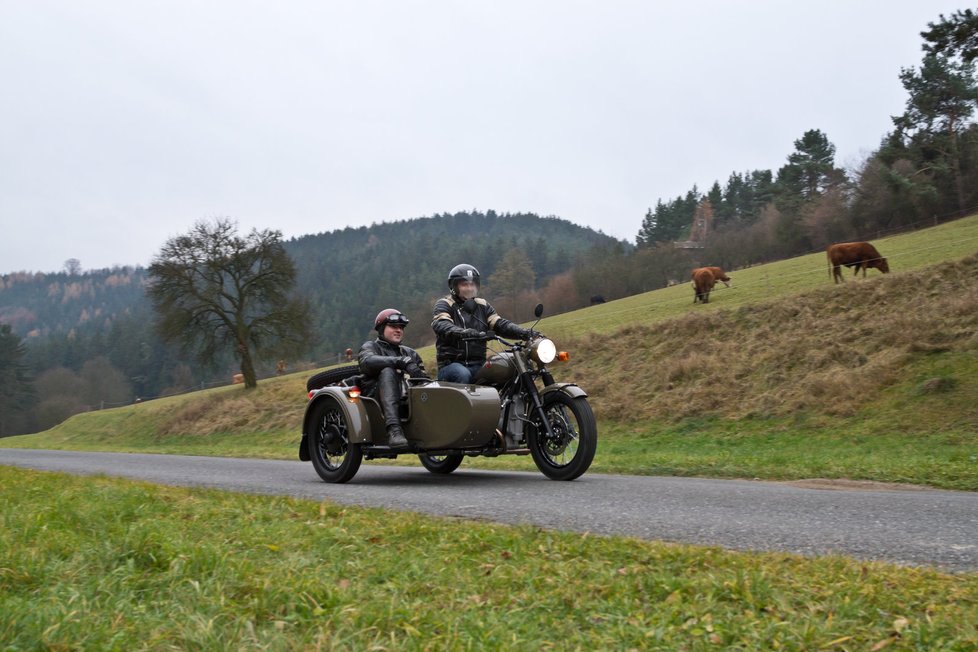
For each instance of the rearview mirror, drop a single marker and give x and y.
(538, 310)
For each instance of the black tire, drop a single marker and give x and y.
(440, 464)
(333, 456)
(568, 449)
(331, 376)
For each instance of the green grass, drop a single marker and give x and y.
(96, 563)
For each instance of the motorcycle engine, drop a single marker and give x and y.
(515, 414)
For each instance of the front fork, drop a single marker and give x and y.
(530, 387)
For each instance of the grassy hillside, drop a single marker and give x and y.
(782, 375)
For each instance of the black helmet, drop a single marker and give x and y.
(463, 272)
(389, 316)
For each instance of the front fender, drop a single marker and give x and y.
(570, 389)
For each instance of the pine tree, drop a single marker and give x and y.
(16, 387)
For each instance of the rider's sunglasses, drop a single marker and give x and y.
(397, 320)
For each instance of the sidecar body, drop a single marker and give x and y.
(434, 415)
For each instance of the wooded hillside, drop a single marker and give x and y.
(82, 330)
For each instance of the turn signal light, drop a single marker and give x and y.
(311, 392)
(563, 356)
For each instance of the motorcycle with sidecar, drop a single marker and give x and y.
(513, 407)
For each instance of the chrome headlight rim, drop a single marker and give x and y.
(544, 351)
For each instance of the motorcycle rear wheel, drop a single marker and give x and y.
(567, 450)
(333, 456)
(440, 464)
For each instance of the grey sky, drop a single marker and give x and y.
(124, 122)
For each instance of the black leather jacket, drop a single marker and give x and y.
(449, 319)
(378, 354)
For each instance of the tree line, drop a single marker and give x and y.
(926, 167)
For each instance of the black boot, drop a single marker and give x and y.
(388, 388)
(395, 436)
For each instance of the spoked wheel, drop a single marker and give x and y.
(333, 456)
(567, 449)
(442, 464)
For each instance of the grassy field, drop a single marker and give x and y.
(100, 564)
(782, 376)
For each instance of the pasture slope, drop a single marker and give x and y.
(782, 353)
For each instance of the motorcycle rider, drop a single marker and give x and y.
(383, 362)
(460, 326)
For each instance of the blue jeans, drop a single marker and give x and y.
(457, 372)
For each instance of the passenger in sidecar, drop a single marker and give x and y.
(383, 363)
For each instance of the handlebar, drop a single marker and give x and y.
(488, 337)
(492, 337)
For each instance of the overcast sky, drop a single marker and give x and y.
(124, 122)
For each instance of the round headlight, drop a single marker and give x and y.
(544, 351)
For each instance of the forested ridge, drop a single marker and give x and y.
(103, 319)
(349, 275)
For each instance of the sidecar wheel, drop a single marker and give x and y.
(567, 450)
(331, 376)
(333, 456)
(441, 464)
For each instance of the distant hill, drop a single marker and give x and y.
(347, 275)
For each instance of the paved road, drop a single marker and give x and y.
(910, 527)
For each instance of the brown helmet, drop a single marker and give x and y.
(390, 316)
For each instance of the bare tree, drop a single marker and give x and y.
(215, 291)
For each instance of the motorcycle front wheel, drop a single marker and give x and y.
(567, 449)
(333, 456)
(440, 464)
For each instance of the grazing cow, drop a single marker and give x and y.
(720, 275)
(703, 282)
(596, 299)
(854, 254)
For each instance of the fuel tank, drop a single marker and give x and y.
(449, 415)
(497, 370)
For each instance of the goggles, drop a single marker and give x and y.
(397, 319)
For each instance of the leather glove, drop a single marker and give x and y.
(414, 371)
(403, 362)
(472, 334)
(534, 335)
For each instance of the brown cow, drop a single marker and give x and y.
(703, 282)
(860, 255)
(720, 275)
